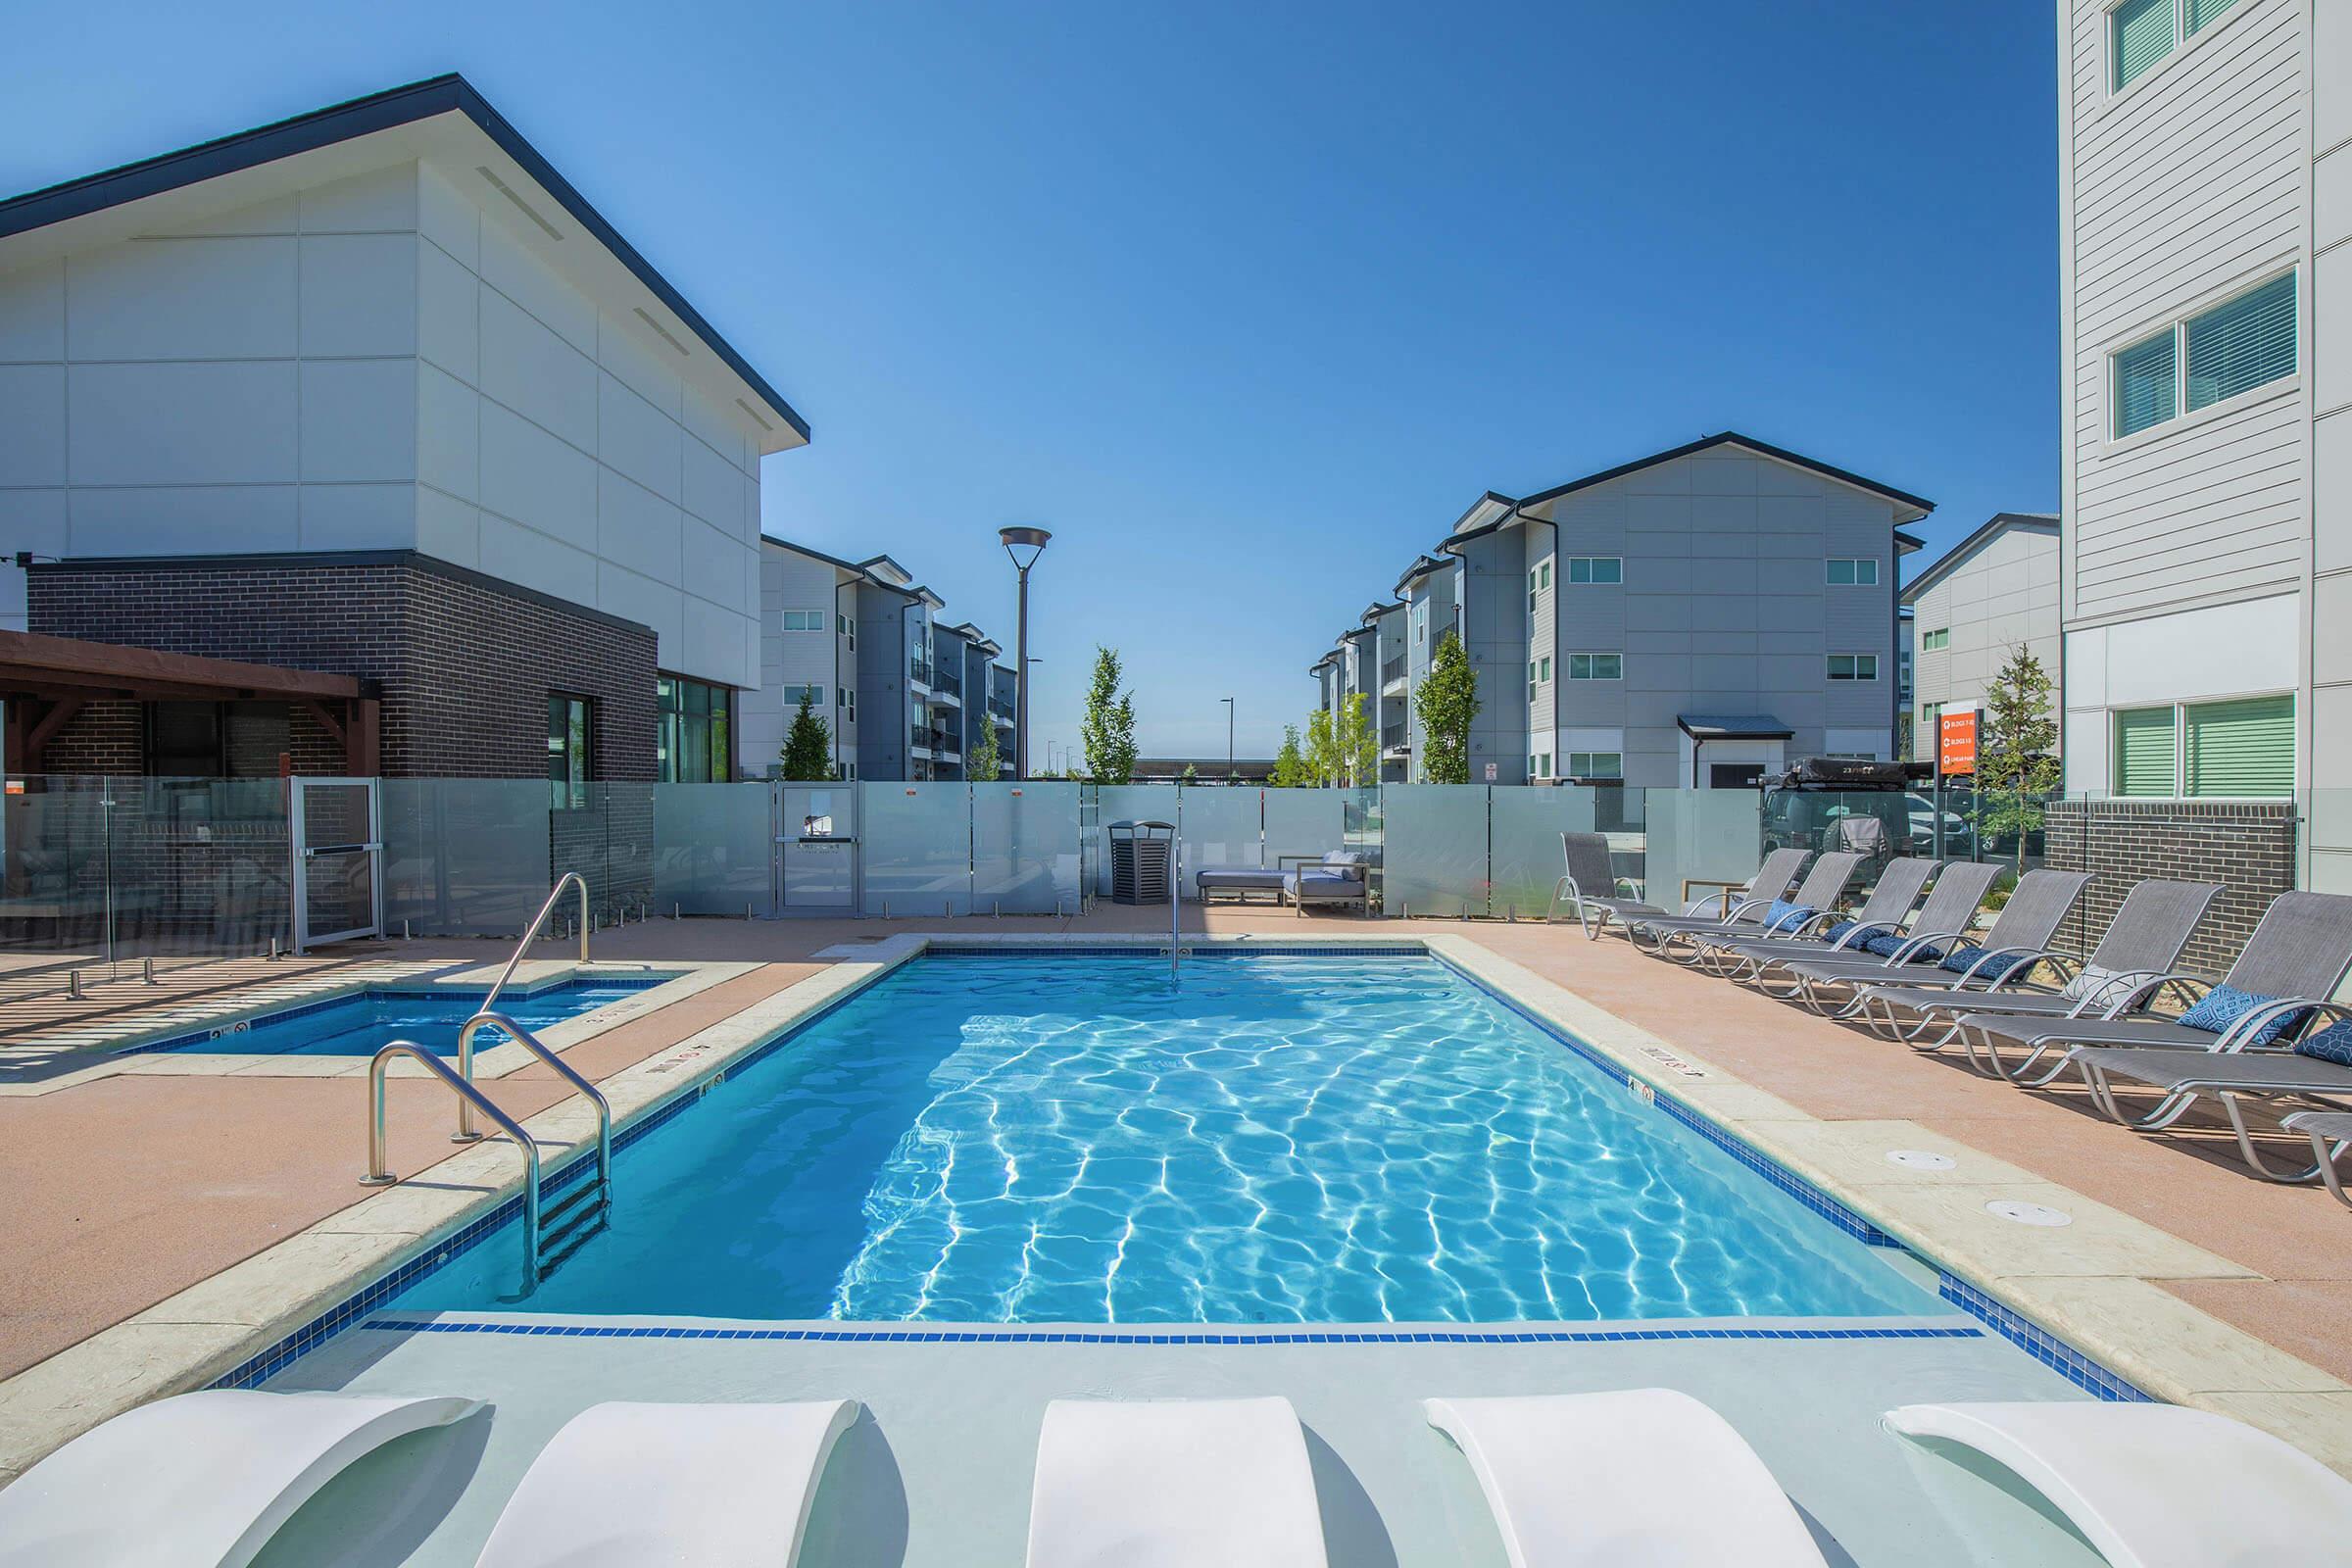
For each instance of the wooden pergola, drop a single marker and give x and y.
(46, 680)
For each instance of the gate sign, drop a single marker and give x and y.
(1956, 741)
(1490, 772)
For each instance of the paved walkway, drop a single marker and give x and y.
(151, 1183)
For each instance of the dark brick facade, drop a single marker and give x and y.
(2249, 847)
(465, 663)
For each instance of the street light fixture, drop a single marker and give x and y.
(1228, 702)
(1015, 541)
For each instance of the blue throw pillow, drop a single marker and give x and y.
(1886, 944)
(1998, 969)
(1838, 931)
(2223, 1005)
(2331, 1043)
(1786, 917)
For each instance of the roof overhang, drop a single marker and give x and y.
(446, 121)
(1908, 508)
(33, 665)
(1999, 524)
(885, 570)
(1732, 727)
(1484, 515)
(1419, 569)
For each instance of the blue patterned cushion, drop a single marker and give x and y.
(2223, 1005)
(1784, 916)
(1838, 930)
(2331, 1043)
(1886, 942)
(1960, 958)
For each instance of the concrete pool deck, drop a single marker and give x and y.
(2180, 1272)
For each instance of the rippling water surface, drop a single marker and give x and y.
(1048, 1139)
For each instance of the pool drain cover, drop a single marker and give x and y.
(1920, 1159)
(2020, 1213)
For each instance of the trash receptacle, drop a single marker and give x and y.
(1143, 858)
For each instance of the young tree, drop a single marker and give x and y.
(808, 748)
(984, 763)
(1447, 700)
(1289, 763)
(1109, 728)
(2015, 760)
(1192, 774)
(1322, 749)
(1357, 747)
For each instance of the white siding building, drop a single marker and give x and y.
(1991, 594)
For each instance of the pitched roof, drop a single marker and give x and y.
(2000, 522)
(346, 121)
(1901, 498)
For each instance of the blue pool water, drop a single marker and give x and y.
(1050, 1137)
(364, 1024)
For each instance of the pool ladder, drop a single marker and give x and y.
(551, 1233)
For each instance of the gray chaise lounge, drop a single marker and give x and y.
(1817, 894)
(1240, 881)
(1337, 876)
(2018, 940)
(1739, 911)
(1882, 913)
(1590, 887)
(1941, 925)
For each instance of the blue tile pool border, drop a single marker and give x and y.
(2048, 1349)
(396, 991)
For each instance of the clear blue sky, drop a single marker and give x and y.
(1244, 302)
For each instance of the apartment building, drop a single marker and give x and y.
(808, 647)
(376, 391)
(2206, 563)
(1692, 619)
(1991, 594)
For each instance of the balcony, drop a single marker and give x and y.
(1001, 707)
(1394, 743)
(939, 742)
(946, 682)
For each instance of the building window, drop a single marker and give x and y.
(2238, 346)
(692, 744)
(1596, 569)
(2147, 751)
(1930, 731)
(1854, 572)
(1934, 642)
(813, 691)
(1595, 666)
(567, 751)
(2239, 749)
(2141, 35)
(1596, 765)
(846, 699)
(1421, 623)
(1853, 667)
(803, 621)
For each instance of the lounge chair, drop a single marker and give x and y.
(1817, 896)
(1643, 1476)
(198, 1478)
(1590, 887)
(1336, 876)
(1939, 927)
(2322, 1128)
(1174, 1484)
(1739, 911)
(2231, 1076)
(2156, 1486)
(1882, 913)
(1239, 882)
(2142, 942)
(719, 1485)
(2299, 952)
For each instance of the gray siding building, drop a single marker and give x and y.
(2206, 566)
(1991, 594)
(1694, 618)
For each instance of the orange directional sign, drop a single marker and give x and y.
(1956, 742)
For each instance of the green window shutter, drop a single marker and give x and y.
(2143, 384)
(2143, 752)
(2143, 36)
(2243, 343)
(2243, 749)
(2204, 13)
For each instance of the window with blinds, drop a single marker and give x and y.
(2243, 748)
(2145, 377)
(2144, 34)
(2241, 344)
(2204, 13)
(2144, 751)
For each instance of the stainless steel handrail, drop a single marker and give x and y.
(531, 1043)
(531, 933)
(1175, 903)
(379, 1173)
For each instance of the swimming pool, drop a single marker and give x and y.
(362, 1024)
(1050, 1137)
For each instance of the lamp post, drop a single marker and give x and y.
(1016, 540)
(1228, 702)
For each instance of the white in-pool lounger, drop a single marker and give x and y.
(1174, 1484)
(197, 1480)
(717, 1486)
(2156, 1486)
(1642, 1478)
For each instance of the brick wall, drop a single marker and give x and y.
(466, 666)
(2248, 847)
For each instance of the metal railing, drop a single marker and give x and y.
(1394, 669)
(379, 1172)
(531, 932)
